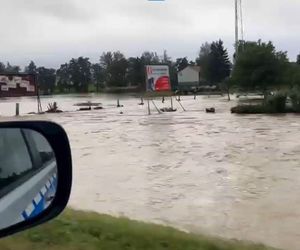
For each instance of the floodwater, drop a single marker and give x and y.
(218, 174)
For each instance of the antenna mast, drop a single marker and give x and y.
(239, 24)
(241, 20)
(236, 27)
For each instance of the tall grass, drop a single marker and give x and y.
(76, 230)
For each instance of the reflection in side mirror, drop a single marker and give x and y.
(28, 175)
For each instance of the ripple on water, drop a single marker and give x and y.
(217, 173)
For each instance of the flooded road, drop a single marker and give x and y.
(218, 174)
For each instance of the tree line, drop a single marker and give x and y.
(258, 66)
(114, 70)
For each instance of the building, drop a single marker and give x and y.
(189, 78)
(15, 85)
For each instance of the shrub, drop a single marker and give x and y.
(276, 103)
(295, 99)
(248, 109)
(273, 104)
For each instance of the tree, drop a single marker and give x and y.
(136, 72)
(106, 62)
(80, 73)
(31, 68)
(64, 78)
(192, 63)
(46, 79)
(115, 68)
(150, 58)
(298, 59)
(119, 70)
(12, 68)
(203, 60)
(97, 75)
(165, 58)
(2, 67)
(181, 63)
(259, 67)
(219, 65)
(291, 77)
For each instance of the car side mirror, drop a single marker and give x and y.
(35, 174)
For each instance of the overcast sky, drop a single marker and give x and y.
(51, 32)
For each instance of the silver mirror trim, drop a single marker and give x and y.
(14, 202)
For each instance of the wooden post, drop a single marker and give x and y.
(181, 105)
(40, 110)
(118, 103)
(156, 107)
(172, 103)
(149, 111)
(17, 109)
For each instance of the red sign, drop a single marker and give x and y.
(163, 84)
(15, 85)
(158, 78)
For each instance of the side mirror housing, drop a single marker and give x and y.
(35, 174)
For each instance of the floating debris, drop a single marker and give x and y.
(35, 113)
(53, 108)
(88, 104)
(210, 110)
(168, 110)
(85, 109)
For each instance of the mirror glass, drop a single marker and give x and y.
(28, 175)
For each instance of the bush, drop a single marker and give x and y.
(295, 99)
(248, 109)
(276, 103)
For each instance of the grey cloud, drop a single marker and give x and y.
(54, 30)
(61, 9)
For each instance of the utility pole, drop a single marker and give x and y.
(239, 25)
(236, 28)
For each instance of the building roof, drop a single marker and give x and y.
(196, 68)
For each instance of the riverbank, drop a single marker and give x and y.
(280, 103)
(76, 230)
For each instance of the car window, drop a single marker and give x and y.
(41, 145)
(13, 153)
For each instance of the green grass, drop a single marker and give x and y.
(249, 109)
(76, 230)
(261, 109)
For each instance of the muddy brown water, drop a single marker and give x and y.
(219, 174)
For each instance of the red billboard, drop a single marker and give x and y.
(15, 85)
(158, 78)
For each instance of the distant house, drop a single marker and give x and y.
(189, 78)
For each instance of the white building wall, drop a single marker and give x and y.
(188, 75)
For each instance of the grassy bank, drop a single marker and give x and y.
(89, 231)
(280, 103)
(262, 109)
